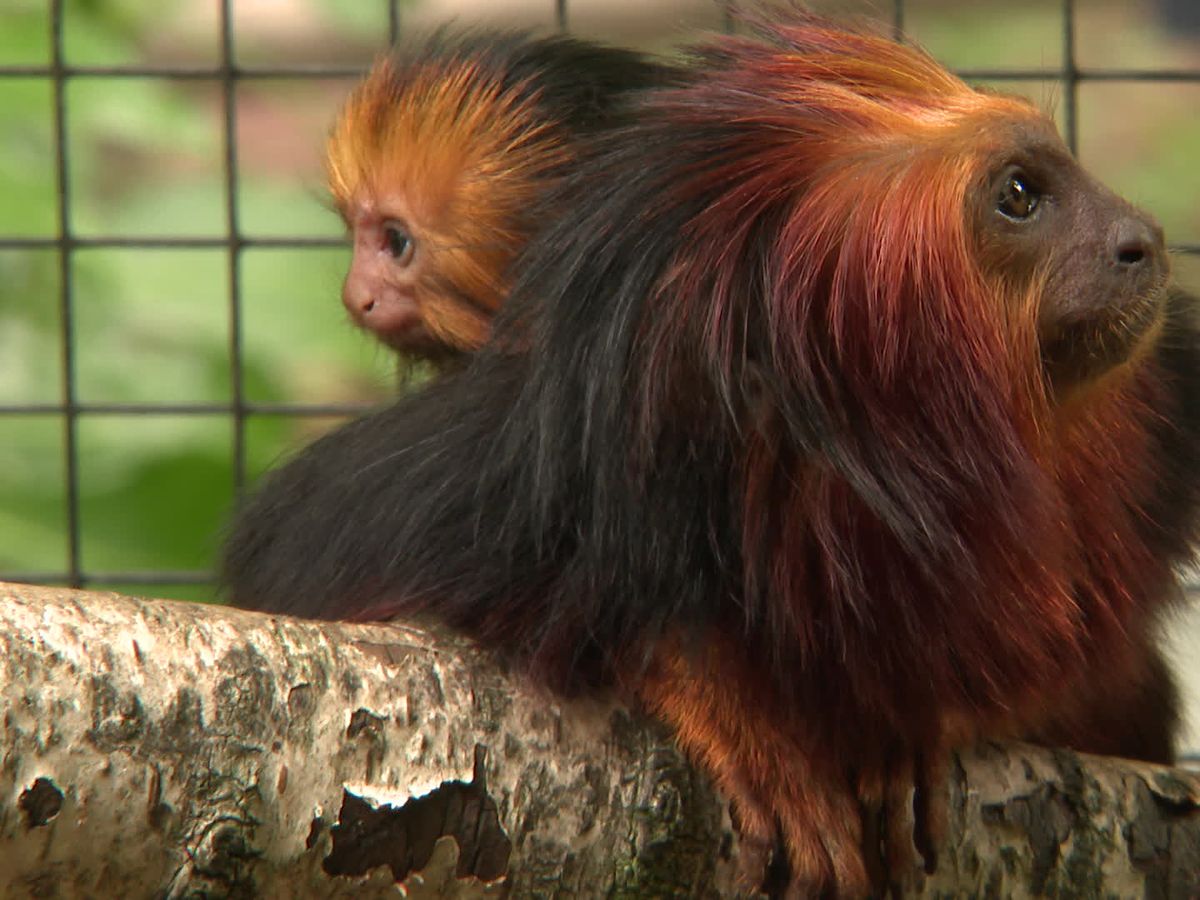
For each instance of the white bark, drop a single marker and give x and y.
(151, 748)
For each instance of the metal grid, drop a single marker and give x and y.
(229, 74)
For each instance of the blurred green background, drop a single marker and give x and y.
(146, 160)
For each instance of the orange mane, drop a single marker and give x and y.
(462, 154)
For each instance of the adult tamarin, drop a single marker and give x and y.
(853, 421)
(439, 164)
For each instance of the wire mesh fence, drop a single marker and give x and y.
(231, 238)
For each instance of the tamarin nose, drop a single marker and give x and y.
(358, 298)
(1138, 243)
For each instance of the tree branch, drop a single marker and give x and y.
(167, 749)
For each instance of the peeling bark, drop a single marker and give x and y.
(156, 749)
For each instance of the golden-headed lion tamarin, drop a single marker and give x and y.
(441, 163)
(849, 421)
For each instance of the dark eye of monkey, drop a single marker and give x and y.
(1018, 200)
(399, 244)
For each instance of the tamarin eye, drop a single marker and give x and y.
(399, 245)
(1017, 199)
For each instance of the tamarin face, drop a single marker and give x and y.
(435, 166)
(380, 287)
(1101, 263)
(392, 288)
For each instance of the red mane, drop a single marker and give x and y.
(964, 518)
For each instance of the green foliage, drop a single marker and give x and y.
(25, 37)
(27, 177)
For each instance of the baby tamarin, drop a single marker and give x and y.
(441, 162)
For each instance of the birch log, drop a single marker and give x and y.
(158, 749)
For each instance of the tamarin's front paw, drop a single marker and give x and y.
(758, 841)
(806, 841)
(834, 839)
(905, 814)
